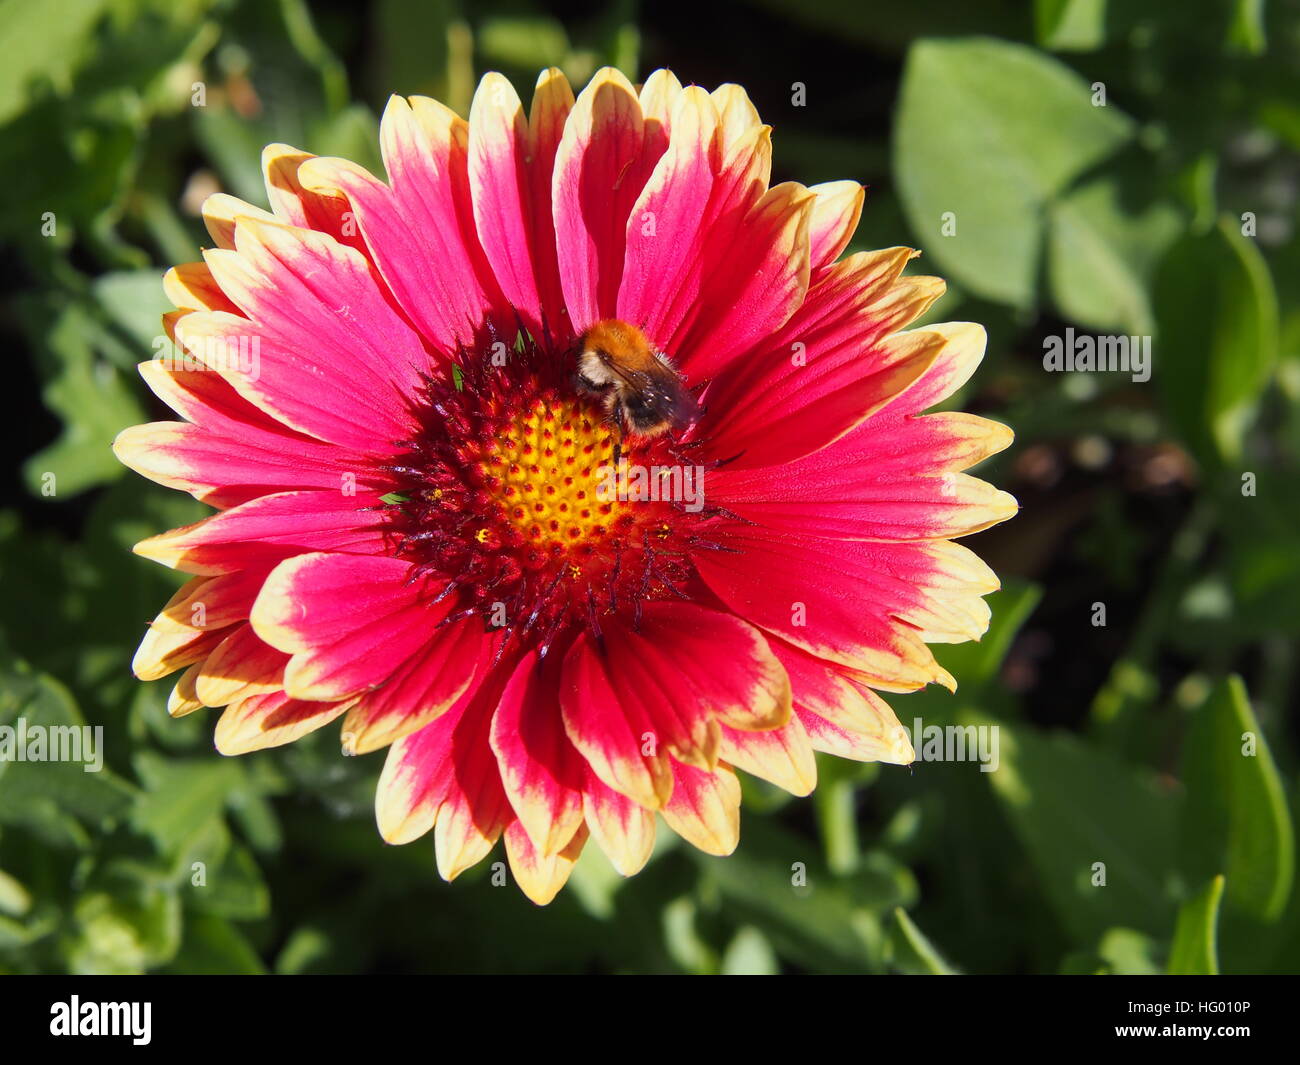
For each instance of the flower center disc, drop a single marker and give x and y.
(506, 496)
(544, 471)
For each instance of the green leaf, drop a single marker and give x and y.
(411, 45)
(234, 889)
(1128, 953)
(1217, 337)
(1195, 949)
(181, 795)
(1074, 806)
(135, 302)
(212, 946)
(91, 397)
(307, 949)
(749, 954)
(123, 931)
(1236, 820)
(528, 43)
(777, 881)
(993, 132)
(682, 938)
(595, 882)
(1100, 257)
(1070, 25)
(894, 24)
(45, 795)
(351, 134)
(41, 50)
(15, 899)
(1247, 33)
(912, 951)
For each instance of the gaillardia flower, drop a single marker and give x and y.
(415, 527)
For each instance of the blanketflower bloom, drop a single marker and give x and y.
(378, 391)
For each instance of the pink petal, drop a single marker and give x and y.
(782, 756)
(623, 829)
(300, 206)
(602, 164)
(420, 231)
(836, 211)
(271, 528)
(758, 276)
(349, 621)
(240, 666)
(885, 480)
(836, 599)
(445, 777)
(705, 808)
(540, 875)
(540, 769)
(667, 688)
(510, 161)
(830, 366)
(418, 690)
(271, 720)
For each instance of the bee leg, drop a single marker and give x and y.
(621, 430)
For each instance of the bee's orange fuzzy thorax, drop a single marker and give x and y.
(622, 340)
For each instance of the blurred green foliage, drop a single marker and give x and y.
(1113, 167)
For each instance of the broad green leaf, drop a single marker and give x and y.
(1236, 820)
(1217, 337)
(989, 135)
(1100, 257)
(411, 45)
(1263, 535)
(351, 134)
(1195, 949)
(181, 796)
(134, 301)
(16, 934)
(1100, 832)
(912, 951)
(1070, 25)
(41, 50)
(201, 853)
(595, 882)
